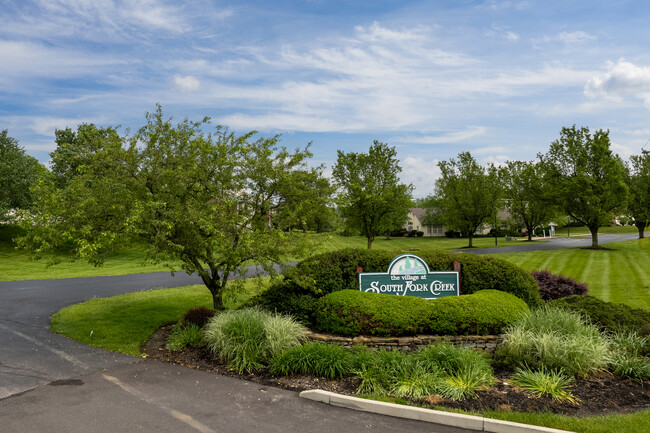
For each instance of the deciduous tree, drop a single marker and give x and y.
(206, 199)
(371, 198)
(18, 172)
(467, 194)
(638, 181)
(587, 178)
(528, 195)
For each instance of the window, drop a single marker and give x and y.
(434, 230)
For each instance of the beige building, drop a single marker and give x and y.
(414, 222)
(417, 215)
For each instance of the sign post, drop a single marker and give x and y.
(409, 275)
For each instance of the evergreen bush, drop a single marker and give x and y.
(351, 313)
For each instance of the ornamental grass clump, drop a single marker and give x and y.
(628, 358)
(182, 336)
(247, 339)
(558, 339)
(317, 359)
(541, 382)
(452, 372)
(464, 370)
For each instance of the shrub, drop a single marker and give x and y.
(286, 297)
(198, 316)
(318, 359)
(296, 293)
(351, 312)
(248, 338)
(558, 339)
(557, 286)
(337, 270)
(185, 335)
(608, 316)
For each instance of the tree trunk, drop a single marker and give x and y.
(217, 301)
(641, 228)
(594, 237)
(370, 239)
(470, 241)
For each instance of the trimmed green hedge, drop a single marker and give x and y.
(352, 312)
(297, 292)
(608, 316)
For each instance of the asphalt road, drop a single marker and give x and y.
(50, 383)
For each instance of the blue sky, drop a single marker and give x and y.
(432, 78)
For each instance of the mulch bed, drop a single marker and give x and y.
(601, 395)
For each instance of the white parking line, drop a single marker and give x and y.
(58, 352)
(187, 419)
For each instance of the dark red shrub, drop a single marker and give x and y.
(199, 315)
(553, 286)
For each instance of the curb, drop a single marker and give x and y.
(470, 422)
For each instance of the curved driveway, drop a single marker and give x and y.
(50, 383)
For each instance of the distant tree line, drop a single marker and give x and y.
(219, 201)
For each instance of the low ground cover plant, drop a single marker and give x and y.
(351, 313)
(553, 286)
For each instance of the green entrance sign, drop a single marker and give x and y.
(408, 275)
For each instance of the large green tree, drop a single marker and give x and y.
(528, 196)
(18, 172)
(206, 199)
(588, 180)
(370, 198)
(638, 181)
(466, 194)
(76, 149)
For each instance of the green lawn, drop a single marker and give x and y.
(124, 323)
(18, 265)
(621, 274)
(617, 230)
(629, 423)
(334, 242)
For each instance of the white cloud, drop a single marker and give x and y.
(450, 137)
(576, 37)
(187, 83)
(511, 36)
(421, 173)
(624, 79)
(46, 125)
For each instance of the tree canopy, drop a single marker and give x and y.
(528, 195)
(206, 199)
(588, 180)
(466, 194)
(371, 199)
(18, 172)
(638, 181)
